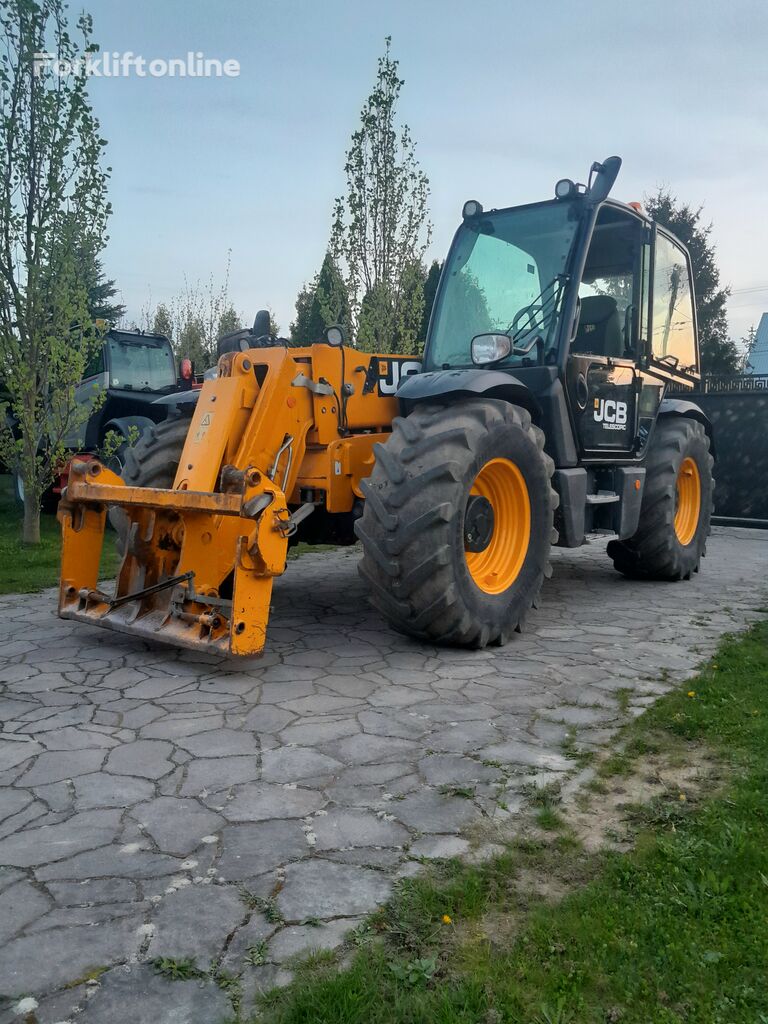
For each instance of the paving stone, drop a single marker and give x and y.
(262, 719)
(177, 825)
(465, 737)
(129, 860)
(48, 960)
(290, 764)
(93, 890)
(12, 801)
(441, 769)
(196, 920)
(61, 917)
(30, 814)
(15, 752)
(211, 775)
(262, 801)
(319, 731)
(430, 811)
(146, 758)
(514, 752)
(340, 829)
(434, 847)
(256, 930)
(253, 849)
(364, 749)
(19, 905)
(72, 738)
(139, 995)
(179, 727)
(366, 856)
(581, 715)
(9, 876)
(397, 697)
(60, 1007)
(300, 940)
(102, 790)
(403, 726)
(150, 689)
(320, 704)
(332, 669)
(55, 842)
(220, 743)
(322, 889)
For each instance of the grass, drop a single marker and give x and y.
(673, 931)
(24, 568)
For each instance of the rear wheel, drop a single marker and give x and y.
(457, 525)
(671, 538)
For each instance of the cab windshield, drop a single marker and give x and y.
(505, 273)
(140, 364)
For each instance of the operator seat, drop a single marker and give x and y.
(599, 332)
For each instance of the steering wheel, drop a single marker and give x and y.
(530, 312)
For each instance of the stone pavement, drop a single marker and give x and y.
(154, 803)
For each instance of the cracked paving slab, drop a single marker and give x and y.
(195, 806)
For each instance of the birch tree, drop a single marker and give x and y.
(53, 202)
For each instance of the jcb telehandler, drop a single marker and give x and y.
(538, 415)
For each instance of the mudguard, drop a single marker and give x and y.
(188, 398)
(433, 384)
(682, 407)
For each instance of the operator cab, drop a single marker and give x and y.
(583, 301)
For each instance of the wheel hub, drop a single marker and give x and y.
(478, 523)
(498, 519)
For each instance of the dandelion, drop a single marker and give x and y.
(682, 798)
(447, 919)
(691, 693)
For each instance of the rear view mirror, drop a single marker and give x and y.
(605, 175)
(490, 348)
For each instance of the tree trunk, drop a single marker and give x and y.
(31, 532)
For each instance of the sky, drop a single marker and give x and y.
(503, 97)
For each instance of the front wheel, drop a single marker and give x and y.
(675, 515)
(458, 522)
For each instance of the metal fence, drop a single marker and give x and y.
(737, 406)
(718, 385)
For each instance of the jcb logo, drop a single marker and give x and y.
(392, 371)
(611, 414)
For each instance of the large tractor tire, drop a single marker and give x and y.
(677, 506)
(458, 522)
(151, 462)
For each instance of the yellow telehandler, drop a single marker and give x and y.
(537, 415)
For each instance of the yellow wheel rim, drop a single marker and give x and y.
(688, 501)
(496, 568)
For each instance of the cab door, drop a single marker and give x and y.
(602, 373)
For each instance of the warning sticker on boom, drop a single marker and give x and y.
(203, 427)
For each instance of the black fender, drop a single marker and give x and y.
(180, 398)
(682, 407)
(122, 425)
(471, 383)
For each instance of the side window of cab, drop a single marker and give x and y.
(673, 333)
(95, 364)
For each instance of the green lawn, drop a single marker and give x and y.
(25, 569)
(674, 931)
